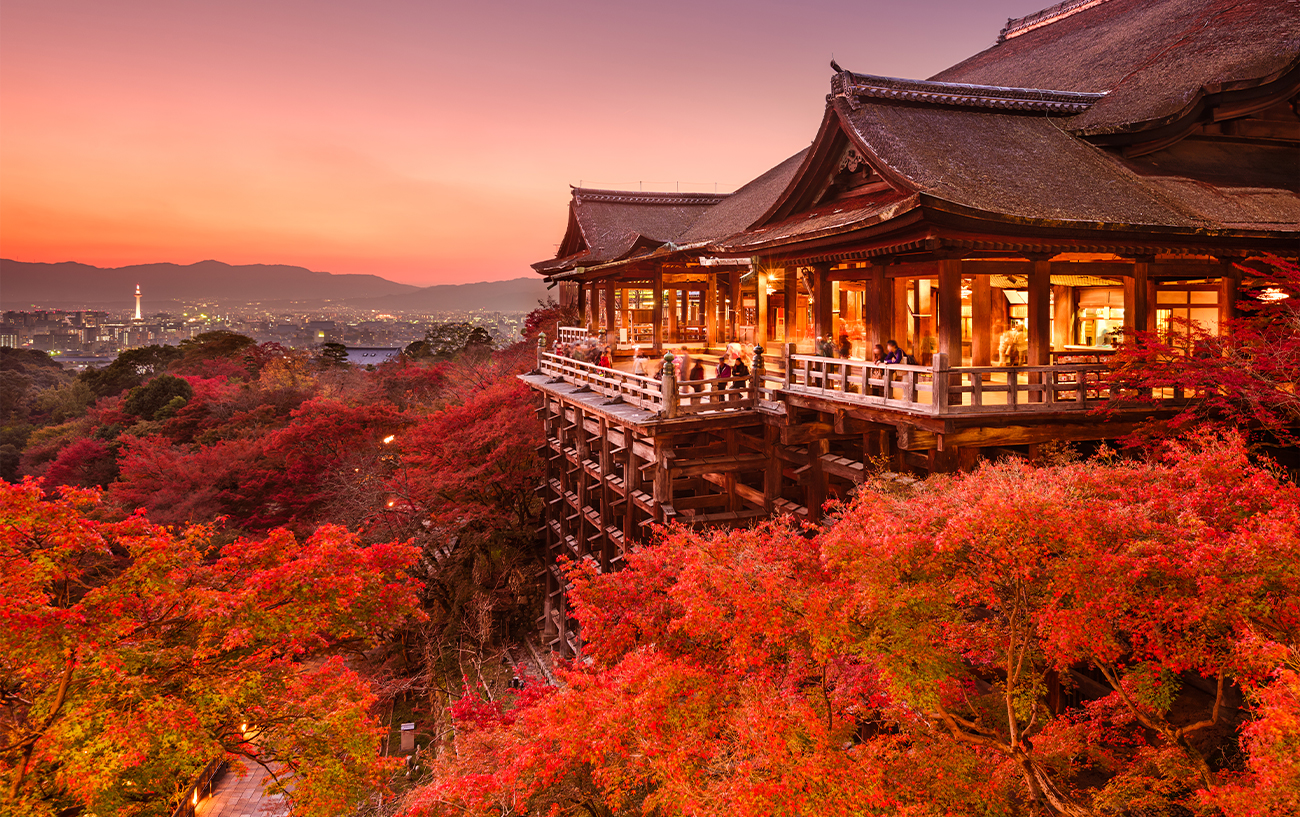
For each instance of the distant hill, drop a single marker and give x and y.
(70, 285)
(515, 295)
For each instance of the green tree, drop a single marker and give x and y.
(161, 397)
(130, 369)
(333, 354)
(447, 340)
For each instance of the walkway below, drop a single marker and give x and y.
(239, 794)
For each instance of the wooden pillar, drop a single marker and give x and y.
(823, 303)
(1139, 298)
(729, 478)
(673, 326)
(1040, 312)
(791, 288)
(663, 480)
(582, 302)
(611, 306)
(760, 293)
(631, 484)
(1062, 316)
(624, 313)
(1229, 285)
(878, 306)
(657, 312)
(981, 312)
(900, 317)
(772, 475)
(947, 308)
(711, 312)
(733, 319)
(815, 489)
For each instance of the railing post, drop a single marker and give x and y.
(668, 384)
(787, 349)
(756, 376)
(939, 388)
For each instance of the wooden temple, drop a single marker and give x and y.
(1107, 166)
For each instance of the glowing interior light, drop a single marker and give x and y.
(1273, 294)
(389, 438)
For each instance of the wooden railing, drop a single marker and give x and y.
(940, 390)
(931, 390)
(1078, 387)
(683, 398)
(624, 387)
(909, 388)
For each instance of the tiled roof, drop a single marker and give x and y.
(854, 87)
(1155, 58)
(606, 225)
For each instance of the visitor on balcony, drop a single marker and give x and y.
(638, 361)
(740, 363)
(845, 347)
(605, 361)
(697, 373)
(893, 354)
(878, 354)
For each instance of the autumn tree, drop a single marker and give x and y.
(1096, 638)
(131, 654)
(1246, 374)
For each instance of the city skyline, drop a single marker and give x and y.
(399, 139)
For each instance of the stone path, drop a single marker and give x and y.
(239, 795)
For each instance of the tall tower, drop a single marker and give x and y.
(137, 303)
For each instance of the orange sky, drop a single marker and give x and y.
(422, 140)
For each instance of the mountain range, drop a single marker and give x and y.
(70, 285)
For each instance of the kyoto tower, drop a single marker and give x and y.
(137, 303)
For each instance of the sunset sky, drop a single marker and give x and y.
(427, 142)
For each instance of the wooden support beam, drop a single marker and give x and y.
(947, 307)
(611, 308)
(732, 438)
(1063, 311)
(899, 317)
(657, 309)
(761, 336)
(1229, 286)
(981, 306)
(744, 492)
(733, 316)
(790, 287)
(1040, 312)
(674, 322)
(772, 476)
(711, 312)
(914, 439)
(823, 304)
(727, 463)
(878, 307)
(816, 479)
(1139, 297)
(990, 437)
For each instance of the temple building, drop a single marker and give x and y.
(1107, 166)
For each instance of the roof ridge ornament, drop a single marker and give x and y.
(585, 194)
(1023, 25)
(1038, 100)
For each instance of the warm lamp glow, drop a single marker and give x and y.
(1273, 294)
(389, 438)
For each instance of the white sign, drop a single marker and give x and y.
(706, 261)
